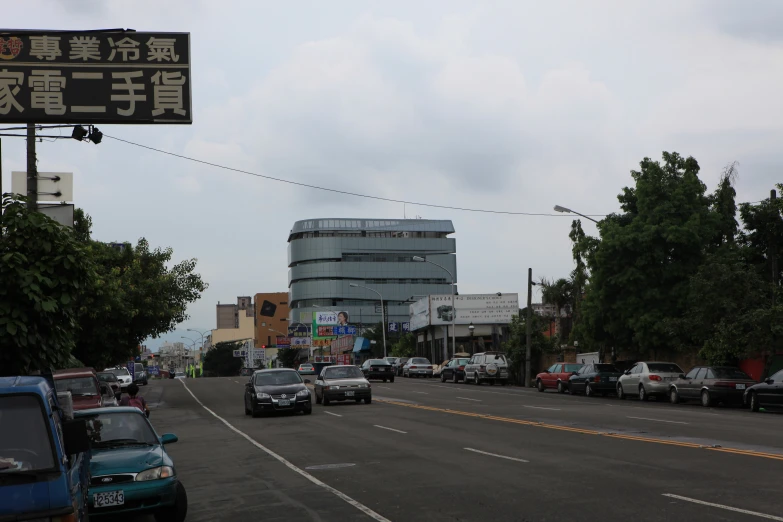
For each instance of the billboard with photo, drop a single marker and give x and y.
(330, 324)
(473, 308)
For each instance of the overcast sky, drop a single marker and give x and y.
(515, 106)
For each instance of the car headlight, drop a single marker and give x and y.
(364, 385)
(303, 393)
(155, 474)
(263, 396)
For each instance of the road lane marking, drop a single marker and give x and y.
(384, 387)
(658, 420)
(542, 408)
(736, 451)
(727, 508)
(466, 399)
(339, 494)
(496, 455)
(390, 429)
(423, 393)
(330, 413)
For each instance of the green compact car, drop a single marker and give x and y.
(131, 473)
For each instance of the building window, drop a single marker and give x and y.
(263, 324)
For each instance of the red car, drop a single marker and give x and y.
(556, 376)
(83, 385)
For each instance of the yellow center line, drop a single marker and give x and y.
(736, 451)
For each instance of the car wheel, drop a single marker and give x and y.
(643, 396)
(454, 378)
(754, 402)
(254, 412)
(384, 380)
(317, 399)
(368, 400)
(442, 377)
(308, 409)
(560, 387)
(247, 411)
(492, 382)
(326, 400)
(674, 396)
(706, 400)
(178, 511)
(476, 379)
(503, 383)
(589, 390)
(358, 401)
(620, 392)
(540, 385)
(391, 380)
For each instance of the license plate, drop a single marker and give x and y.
(284, 402)
(108, 498)
(612, 379)
(740, 386)
(349, 394)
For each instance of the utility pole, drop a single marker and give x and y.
(32, 169)
(528, 327)
(773, 259)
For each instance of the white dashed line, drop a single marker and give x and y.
(390, 429)
(423, 393)
(466, 399)
(542, 408)
(657, 420)
(496, 455)
(330, 413)
(339, 494)
(727, 508)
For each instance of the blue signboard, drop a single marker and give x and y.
(394, 327)
(344, 330)
(154, 370)
(406, 327)
(132, 370)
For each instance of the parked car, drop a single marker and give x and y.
(123, 375)
(398, 365)
(139, 374)
(44, 453)
(391, 360)
(246, 372)
(454, 370)
(436, 368)
(418, 367)
(710, 385)
(342, 383)
(83, 385)
(131, 472)
(108, 398)
(596, 378)
(278, 389)
(557, 376)
(111, 379)
(648, 379)
(488, 367)
(306, 369)
(377, 369)
(768, 393)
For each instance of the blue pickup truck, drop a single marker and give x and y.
(44, 454)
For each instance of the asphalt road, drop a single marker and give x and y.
(425, 450)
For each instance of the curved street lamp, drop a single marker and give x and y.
(453, 308)
(558, 208)
(383, 315)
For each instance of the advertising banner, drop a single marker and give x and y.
(473, 308)
(283, 341)
(321, 343)
(301, 342)
(324, 324)
(419, 314)
(344, 358)
(299, 330)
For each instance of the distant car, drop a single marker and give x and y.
(111, 379)
(768, 393)
(83, 385)
(306, 369)
(417, 367)
(131, 473)
(277, 389)
(180, 375)
(710, 385)
(246, 372)
(319, 366)
(108, 399)
(488, 367)
(648, 379)
(398, 365)
(140, 374)
(391, 360)
(557, 376)
(378, 369)
(454, 370)
(592, 379)
(342, 383)
(123, 375)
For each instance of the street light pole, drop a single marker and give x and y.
(453, 308)
(198, 332)
(558, 208)
(528, 327)
(383, 314)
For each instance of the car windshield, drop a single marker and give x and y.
(664, 367)
(276, 378)
(107, 377)
(25, 444)
(730, 373)
(343, 372)
(119, 372)
(120, 429)
(606, 368)
(306, 365)
(777, 377)
(78, 386)
(378, 362)
(419, 360)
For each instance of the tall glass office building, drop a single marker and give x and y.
(325, 256)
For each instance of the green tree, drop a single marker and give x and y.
(220, 360)
(559, 293)
(405, 346)
(515, 346)
(287, 357)
(136, 296)
(375, 333)
(44, 273)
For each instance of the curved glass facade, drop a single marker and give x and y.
(326, 255)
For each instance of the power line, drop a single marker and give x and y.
(327, 189)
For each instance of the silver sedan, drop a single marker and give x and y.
(342, 383)
(647, 379)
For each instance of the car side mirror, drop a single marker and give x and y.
(769, 381)
(168, 438)
(546, 371)
(627, 372)
(682, 376)
(75, 437)
(307, 381)
(574, 373)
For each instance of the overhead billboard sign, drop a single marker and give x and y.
(95, 77)
(473, 308)
(420, 314)
(282, 341)
(330, 324)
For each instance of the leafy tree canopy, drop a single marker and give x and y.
(220, 361)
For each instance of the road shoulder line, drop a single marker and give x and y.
(727, 508)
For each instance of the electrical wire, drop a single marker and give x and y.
(346, 193)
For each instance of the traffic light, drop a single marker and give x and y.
(263, 346)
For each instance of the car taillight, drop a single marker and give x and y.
(413, 367)
(655, 377)
(429, 367)
(460, 367)
(723, 384)
(597, 378)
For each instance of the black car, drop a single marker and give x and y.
(768, 393)
(454, 369)
(377, 369)
(710, 385)
(279, 389)
(398, 364)
(594, 378)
